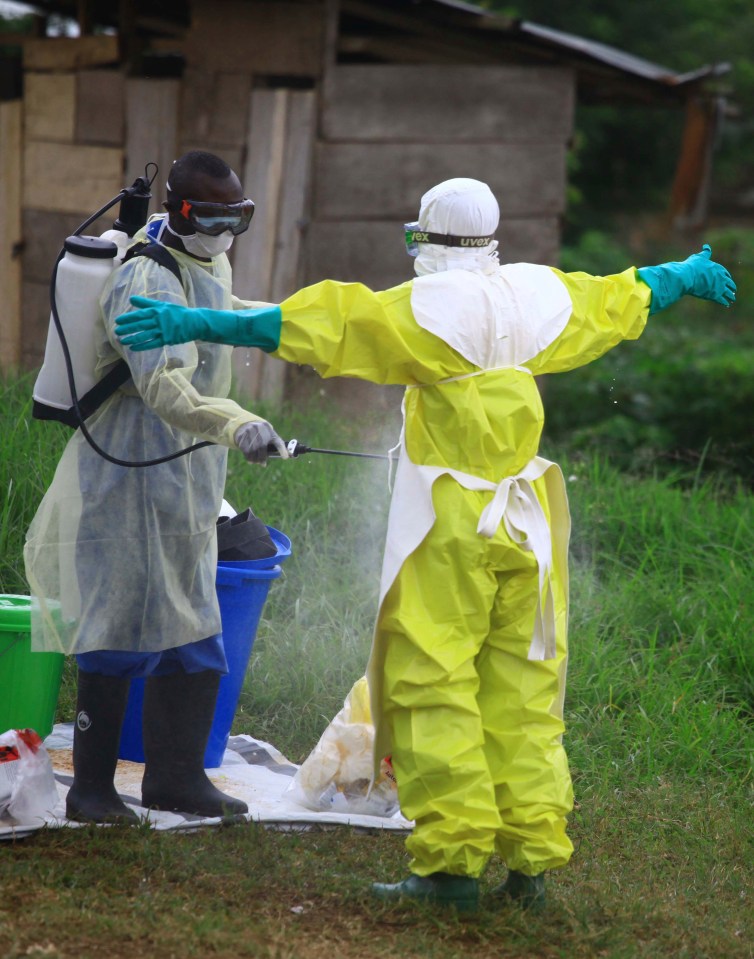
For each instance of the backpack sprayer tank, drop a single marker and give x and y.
(79, 278)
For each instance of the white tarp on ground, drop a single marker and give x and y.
(252, 770)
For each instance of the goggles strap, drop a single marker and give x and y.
(447, 239)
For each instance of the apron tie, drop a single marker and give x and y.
(515, 504)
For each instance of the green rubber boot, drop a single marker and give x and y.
(527, 891)
(439, 888)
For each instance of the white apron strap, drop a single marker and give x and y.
(516, 505)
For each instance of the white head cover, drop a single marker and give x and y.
(461, 207)
(494, 316)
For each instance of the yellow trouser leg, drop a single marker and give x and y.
(433, 623)
(521, 705)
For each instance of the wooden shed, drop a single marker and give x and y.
(337, 115)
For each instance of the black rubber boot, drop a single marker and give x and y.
(100, 707)
(527, 891)
(439, 888)
(177, 718)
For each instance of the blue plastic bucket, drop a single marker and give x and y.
(242, 589)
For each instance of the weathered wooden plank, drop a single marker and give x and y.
(35, 298)
(49, 106)
(277, 176)
(262, 180)
(254, 255)
(230, 112)
(11, 115)
(65, 178)
(196, 103)
(535, 240)
(70, 53)
(380, 180)
(292, 204)
(215, 113)
(368, 252)
(435, 103)
(100, 108)
(374, 252)
(151, 131)
(331, 11)
(294, 197)
(44, 233)
(282, 38)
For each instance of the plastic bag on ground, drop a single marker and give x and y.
(337, 775)
(27, 783)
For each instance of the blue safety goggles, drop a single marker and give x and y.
(414, 235)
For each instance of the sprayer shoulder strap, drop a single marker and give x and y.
(156, 252)
(120, 373)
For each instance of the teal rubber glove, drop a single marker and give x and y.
(699, 275)
(155, 324)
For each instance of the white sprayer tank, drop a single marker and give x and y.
(82, 274)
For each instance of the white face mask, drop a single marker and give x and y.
(199, 244)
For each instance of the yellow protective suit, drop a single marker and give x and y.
(463, 695)
(125, 558)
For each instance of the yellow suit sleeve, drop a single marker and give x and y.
(346, 329)
(605, 311)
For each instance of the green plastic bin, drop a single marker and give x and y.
(29, 682)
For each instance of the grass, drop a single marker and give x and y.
(659, 710)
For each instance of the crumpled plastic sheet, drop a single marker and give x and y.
(252, 770)
(337, 774)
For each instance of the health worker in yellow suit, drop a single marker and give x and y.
(468, 665)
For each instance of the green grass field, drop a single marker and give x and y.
(659, 710)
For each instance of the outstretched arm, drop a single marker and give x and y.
(154, 324)
(606, 310)
(341, 329)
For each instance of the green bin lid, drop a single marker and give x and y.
(15, 613)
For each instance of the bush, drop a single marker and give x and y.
(683, 392)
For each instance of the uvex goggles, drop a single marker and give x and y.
(415, 235)
(215, 218)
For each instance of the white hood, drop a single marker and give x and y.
(461, 207)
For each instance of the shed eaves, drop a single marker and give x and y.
(590, 49)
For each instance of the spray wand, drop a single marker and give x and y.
(296, 448)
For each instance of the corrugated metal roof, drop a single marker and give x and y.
(593, 60)
(592, 50)
(610, 56)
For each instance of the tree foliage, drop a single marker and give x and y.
(624, 158)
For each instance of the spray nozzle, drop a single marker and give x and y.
(296, 448)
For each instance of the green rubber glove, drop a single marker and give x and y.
(698, 275)
(155, 324)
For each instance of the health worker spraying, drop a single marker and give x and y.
(122, 560)
(468, 664)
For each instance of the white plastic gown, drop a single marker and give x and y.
(125, 558)
(467, 670)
